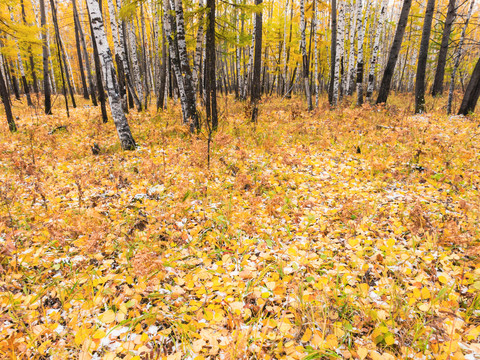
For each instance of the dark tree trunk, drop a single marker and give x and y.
(422, 58)
(394, 51)
(46, 83)
(437, 88)
(133, 98)
(6, 103)
(61, 54)
(175, 32)
(85, 54)
(333, 52)
(210, 65)
(13, 79)
(64, 88)
(472, 92)
(79, 52)
(163, 74)
(98, 72)
(257, 63)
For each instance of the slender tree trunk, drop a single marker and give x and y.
(284, 50)
(351, 56)
(333, 53)
(471, 93)
(394, 51)
(248, 75)
(376, 46)
(361, 37)
(422, 58)
(287, 87)
(163, 73)
(257, 66)
(174, 30)
(22, 69)
(46, 84)
(137, 79)
(315, 76)
(79, 53)
(96, 58)
(210, 78)
(91, 84)
(185, 67)
(303, 47)
(458, 56)
(11, 72)
(437, 88)
(119, 54)
(339, 55)
(105, 56)
(122, 38)
(196, 73)
(30, 56)
(146, 64)
(62, 52)
(6, 103)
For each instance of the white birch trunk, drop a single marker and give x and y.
(69, 65)
(111, 85)
(248, 75)
(284, 50)
(137, 79)
(376, 46)
(351, 56)
(52, 75)
(458, 56)
(339, 53)
(361, 36)
(303, 47)
(175, 62)
(113, 23)
(198, 50)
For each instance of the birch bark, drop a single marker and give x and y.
(22, 69)
(303, 46)
(76, 18)
(361, 36)
(137, 79)
(376, 46)
(114, 98)
(351, 56)
(198, 50)
(339, 54)
(458, 56)
(46, 83)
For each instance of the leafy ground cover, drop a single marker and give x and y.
(351, 233)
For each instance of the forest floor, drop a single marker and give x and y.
(352, 233)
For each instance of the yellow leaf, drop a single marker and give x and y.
(80, 336)
(332, 341)
(99, 334)
(424, 307)
(425, 293)
(389, 339)
(416, 293)
(362, 353)
(307, 335)
(107, 317)
(317, 341)
(198, 345)
(353, 242)
(473, 333)
(391, 243)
